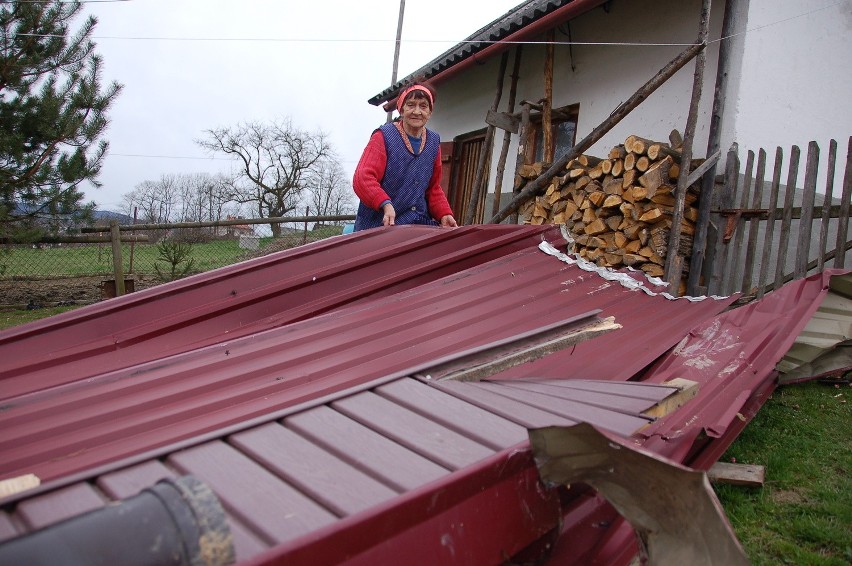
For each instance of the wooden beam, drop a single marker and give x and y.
(699, 172)
(708, 184)
(546, 120)
(737, 474)
(503, 120)
(674, 266)
(507, 136)
(481, 175)
(686, 390)
(540, 184)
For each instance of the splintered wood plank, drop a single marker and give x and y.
(269, 506)
(327, 479)
(428, 438)
(578, 412)
(55, 506)
(365, 448)
(524, 415)
(483, 426)
(130, 481)
(686, 390)
(736, 474)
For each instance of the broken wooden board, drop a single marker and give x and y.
(737, 474)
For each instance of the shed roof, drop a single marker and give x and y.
(521, 23)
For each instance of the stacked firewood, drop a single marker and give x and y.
(618, 209)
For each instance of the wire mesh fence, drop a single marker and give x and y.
(61, 273)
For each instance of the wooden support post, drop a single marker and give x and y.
(507, 136)
(523, 134)
(708, 181)
(726, 200)
(547, 104)
(673, 268)
(482, 166)
(117, 264)
(843, 221)
(540, 184)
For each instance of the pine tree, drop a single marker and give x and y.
(52, 114)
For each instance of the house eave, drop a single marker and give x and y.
(520, 24)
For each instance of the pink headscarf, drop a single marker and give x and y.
(408, 91)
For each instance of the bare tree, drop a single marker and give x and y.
(204, 197)
(330, 190)
(154, 200)
(277, 163)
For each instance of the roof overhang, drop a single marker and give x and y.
(523, 23)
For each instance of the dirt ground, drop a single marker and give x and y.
(57, 292)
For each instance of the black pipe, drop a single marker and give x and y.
(176, 522)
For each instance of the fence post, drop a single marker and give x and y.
(305, 232)
(117, 266)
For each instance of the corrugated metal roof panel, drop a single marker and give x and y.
(245, 299)
(286, 478)
(331, 387)
(60, 430)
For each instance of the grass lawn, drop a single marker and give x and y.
(803, 512)
(802, 515)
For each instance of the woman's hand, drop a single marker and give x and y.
(449, 222)
(390, 215)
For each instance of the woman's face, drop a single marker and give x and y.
(415, 114)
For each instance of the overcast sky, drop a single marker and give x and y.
(192, 65)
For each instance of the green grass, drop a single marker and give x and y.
(803, 512)
(15, 317)
(94, 259)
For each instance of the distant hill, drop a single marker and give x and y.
(107, 216)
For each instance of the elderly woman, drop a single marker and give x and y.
(398, 177)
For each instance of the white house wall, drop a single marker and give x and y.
(788, 82)
(603, 76)
(796, 81)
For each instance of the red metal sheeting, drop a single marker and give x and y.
(61, 430)
(323, 384)
(244, 299)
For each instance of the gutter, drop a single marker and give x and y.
(539, 26)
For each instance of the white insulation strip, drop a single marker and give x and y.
(622, 278)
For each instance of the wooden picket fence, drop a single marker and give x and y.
(764, 232)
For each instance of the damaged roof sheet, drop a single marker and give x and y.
(230, 410)
(56, 430)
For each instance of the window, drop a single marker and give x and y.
(563, 125)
